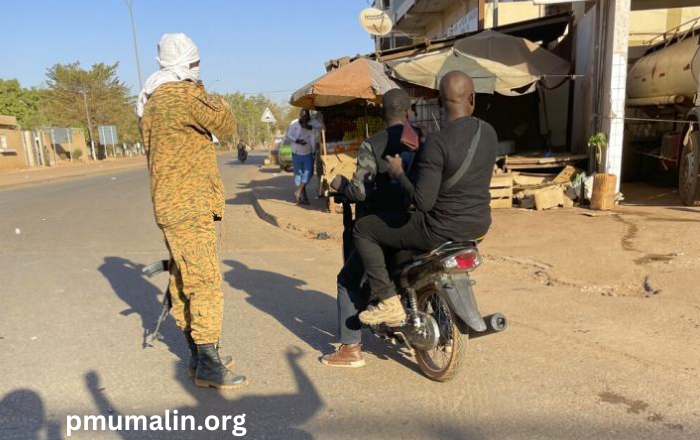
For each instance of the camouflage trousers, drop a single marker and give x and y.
(195, 278)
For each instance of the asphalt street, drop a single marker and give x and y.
(75, 312)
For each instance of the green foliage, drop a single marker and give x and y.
(598, 141)
(249, 110)
(21, 103)
(77, 154)
(71, 88)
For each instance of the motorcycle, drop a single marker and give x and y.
(438, 296)
(242, 154)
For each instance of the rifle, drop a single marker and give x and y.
(150, 271)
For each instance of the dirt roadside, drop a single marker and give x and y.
(601, 302)
(641, 249)
(33, 176)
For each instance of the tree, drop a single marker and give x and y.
(21, 103)
(249, 110)
(108, 99)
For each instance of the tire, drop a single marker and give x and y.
(288, 168)
(688, 170)
(452, 343)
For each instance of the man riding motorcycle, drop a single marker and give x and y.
(450, 192)
(373, 191)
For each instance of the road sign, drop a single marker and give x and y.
(108, 134)
(61, 135)
(268, 116)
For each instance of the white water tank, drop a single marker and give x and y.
(672, 71)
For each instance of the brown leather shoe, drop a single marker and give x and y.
(346, 356)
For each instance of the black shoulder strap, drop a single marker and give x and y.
(456, 177)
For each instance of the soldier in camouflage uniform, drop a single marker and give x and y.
(178, 119)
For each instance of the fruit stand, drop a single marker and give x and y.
(347, 99)
(345, 127)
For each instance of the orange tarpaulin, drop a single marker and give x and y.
(360, 79)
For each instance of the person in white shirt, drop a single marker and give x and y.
(300, 133)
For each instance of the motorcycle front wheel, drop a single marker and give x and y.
(443, 361)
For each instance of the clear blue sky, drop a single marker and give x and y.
(249, 46)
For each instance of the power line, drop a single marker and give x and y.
(267, 92)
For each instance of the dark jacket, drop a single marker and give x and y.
(462, 212)
(371, 188)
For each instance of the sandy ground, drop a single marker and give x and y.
(589, 352)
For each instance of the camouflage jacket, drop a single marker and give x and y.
(177, 124)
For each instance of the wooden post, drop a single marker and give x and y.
(604, 191)
(482, 13)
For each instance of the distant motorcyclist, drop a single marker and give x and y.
(242, 149)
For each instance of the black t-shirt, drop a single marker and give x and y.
(463, 212)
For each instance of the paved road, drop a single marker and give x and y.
(75, 309)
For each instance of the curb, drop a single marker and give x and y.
(69, 177)
(260, 211)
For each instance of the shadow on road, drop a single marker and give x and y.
(144, 299)
(22, 416)
(272, 416)
(279, 188)
(254, 158)
(308, 314)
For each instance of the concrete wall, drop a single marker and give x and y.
(13, 157)
(513, 12)
(508, 12)
(645, 25)
(59, 153)
(438, 28)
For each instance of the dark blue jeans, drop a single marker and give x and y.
(351, 299)
(303, 168)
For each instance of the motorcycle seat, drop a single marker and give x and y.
(404, 256)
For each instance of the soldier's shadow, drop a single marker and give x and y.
(271, 416)
(23, 416)
(309, 314)
(144, 299)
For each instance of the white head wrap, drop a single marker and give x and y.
(175, 54)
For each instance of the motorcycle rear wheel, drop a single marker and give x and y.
(442, 362)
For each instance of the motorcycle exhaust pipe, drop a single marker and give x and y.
(495, 323)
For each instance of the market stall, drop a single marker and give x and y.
(347, 98)
(519, 84)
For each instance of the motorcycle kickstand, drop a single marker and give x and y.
(408, 345)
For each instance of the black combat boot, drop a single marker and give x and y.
(212, 373)
(194, 357)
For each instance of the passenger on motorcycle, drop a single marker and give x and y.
(450, 193)
(373, 191)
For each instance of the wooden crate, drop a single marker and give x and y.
(502, 191)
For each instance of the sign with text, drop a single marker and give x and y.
(61, 135)
(108, 134)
